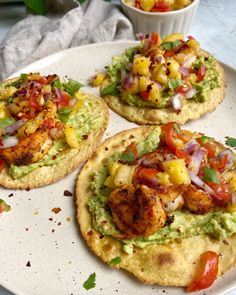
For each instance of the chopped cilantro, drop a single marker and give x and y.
(23, 78)
(127, 157)
(174, 83)
(110, 89)
(64, 114)
(57, 84)
(90, 282)
(170, 45)
(205, 139)
(210, 175)
(231, 141)
(177, 128)
(115, 261)
(72, 87)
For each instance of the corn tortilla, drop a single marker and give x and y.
(173, 264)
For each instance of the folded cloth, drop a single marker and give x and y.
(69, 24)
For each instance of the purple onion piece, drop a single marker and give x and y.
(159, 85)
(191, 145)
(190, 93)
(128, 81)
(198, 181)
(58, 93)
(9, 141)
(140, 36)
(183, 71)
(12, 128)
(230, 156)
(197, 158)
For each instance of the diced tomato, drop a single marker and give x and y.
(144, 95)
(183, 155)
(191, 37)
(206, 273)
(2, 164)
(137, 4)
(222, 195)
(161, 6)
(42, 80)
(219, 164)
(211, 149)
(146, 176)
(168, 130)
(182, 89)
(133, 148)
(155, 38)
(201, 72)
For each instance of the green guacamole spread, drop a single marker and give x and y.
(84, 121)
(219, 225)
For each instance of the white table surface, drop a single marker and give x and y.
(214, 27)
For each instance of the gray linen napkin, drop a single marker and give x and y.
(68, 25)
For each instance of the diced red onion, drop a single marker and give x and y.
(149, 43)
(72, 102)
(53, 132)
(140, 36)
(21, 92)
(197, 158)
(183, 71)
(190, 93)
(176, 102)
(128, 81)
(36, 83)
(174, 205)
(9, 141)
(159, 59)
(189, 62)
(191, 145)
(46, 96)
(230, 156)
(12, 128)
(159, 85)
(198, 181)
(58, 94)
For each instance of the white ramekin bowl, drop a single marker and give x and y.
(163, 23)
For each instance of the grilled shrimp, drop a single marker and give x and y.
(29, 149)
(197, 200)
(137, 211)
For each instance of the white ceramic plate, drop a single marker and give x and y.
(60, 260)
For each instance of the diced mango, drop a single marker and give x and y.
(71, 138)
(141, 65)
(154, 94)
(192, 78)
(143, 83)
(173, 66)
(6, 92)
(173, 37)
(98, 79)
(159, 74)
(147, 5)
(193, 43)
(233, 184)
(119, 175)
(3, 110)
(177, 171)
(134, 87)
(163, 178)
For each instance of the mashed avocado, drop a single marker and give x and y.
(219, 225)
(83, 120)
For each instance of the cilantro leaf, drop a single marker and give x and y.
(6, 122)
(127, 157)
(231, 141)
(57, 84)
(174, 83)
(170, 45)
(205, 139)
(18, 82)
(64, 114)
(115, 260)
(177, 128)
(72, 86)
(38, 7)
(90, 282)
(210, 175)
(110, 89)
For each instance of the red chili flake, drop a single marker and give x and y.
(56, 210)
(68, 193)
(11, 195)
(85, 136)
(59, 223)
(27, 189)
(53, 230)
(28, 264)
(26, 229)
(50, 219)
(54, 157)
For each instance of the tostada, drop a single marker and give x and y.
(163, 80)
(47, 128)
(159, 202)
